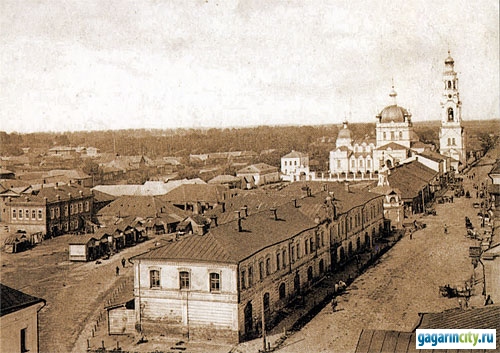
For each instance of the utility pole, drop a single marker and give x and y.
(263, 326)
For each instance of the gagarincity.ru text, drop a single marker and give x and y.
(435, 338)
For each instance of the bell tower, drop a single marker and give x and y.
(451, 135)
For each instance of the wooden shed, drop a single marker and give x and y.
(83, 248)
(121, 318)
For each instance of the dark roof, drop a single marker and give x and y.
(227, 244)
(433, 156)
(377, 341)
(258, 168)
(411, 178)
(487, 317)
(139, 206)
(13, 300)
(195, 192)
(54, 194)
(393, 146)
(496, 168)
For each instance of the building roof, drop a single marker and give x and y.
(13, 300)
(53, 194)
(496, 168)
(227, 244)
(378, 341)
(258, 168)
(433, 156)
(411, 178)
(139, 206)
(224, 179)
(196, 192)
(295, 154)
(392, 146)
(82, 239)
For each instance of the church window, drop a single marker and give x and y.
(361, 163)
(285, 163)
(368, 164)
(338, 163)
(385, 136)
(392, 135)
(450, 114)
(449, 84)
(400, 135)
(454, 84)
(453, 141)
(353, 163)
(449, 141)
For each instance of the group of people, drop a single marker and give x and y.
(118, 267)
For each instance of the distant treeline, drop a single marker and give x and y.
(316, 140)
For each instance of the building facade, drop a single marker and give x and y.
(452, 134)
(294, 166)
(19, 320)
(50, 210)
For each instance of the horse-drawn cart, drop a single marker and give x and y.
(452, 291)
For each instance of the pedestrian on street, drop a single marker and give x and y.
(445, 229)
(123, 262)
(411, 234)
(334, 305)
(117, 271)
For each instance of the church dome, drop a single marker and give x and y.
(393, 113)
(449, 60)
(345, 133)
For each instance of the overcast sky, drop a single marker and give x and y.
(94, 65)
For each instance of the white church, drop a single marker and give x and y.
(395, 139)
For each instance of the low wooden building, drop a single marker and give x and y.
(84, 248)
(121, 318)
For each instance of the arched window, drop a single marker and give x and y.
(449, 84)
(385, 136)
(400, 135)
(450, 114)
(449, 141)
(453, 141)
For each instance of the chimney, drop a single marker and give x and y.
(214, 220)
(346, 187)
(294, 203)
(245, 211)
(275, 213)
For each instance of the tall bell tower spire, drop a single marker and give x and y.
(452, 135)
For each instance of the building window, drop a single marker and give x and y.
(33, 214)
(368, 164)
(14, 216)
(80, 207)
(453, 141)
(87, 206)
(278, 261)
(184, 280)
(261, 270)
(154, 279)
(298, 251)
(392, 135)
(268, 266)
(214, 282)
(285, 163)
(66, 210)
(311, 245)
(24, 340)
(306, 247)
(20, 214)
(282, 291)
(250, 276)
(361, 163)
(400, 135)
(40, 214)
(57, 210)
(385, 136)
(292, 254)
(71, 209)
(353, 163)
(243, 279)
(284, 258)
(338, 163)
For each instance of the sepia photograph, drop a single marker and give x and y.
(249, 176)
